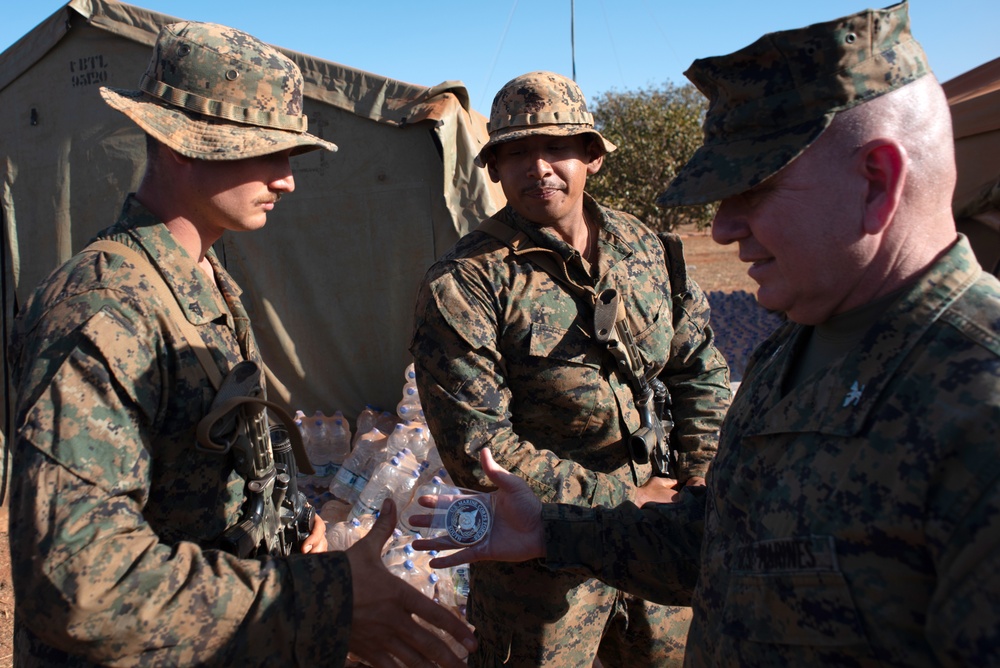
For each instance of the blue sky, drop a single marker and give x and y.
(619, 44)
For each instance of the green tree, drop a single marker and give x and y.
(656, 130)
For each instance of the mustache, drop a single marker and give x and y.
(270, 199)
(542, 185)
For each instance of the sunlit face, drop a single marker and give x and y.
(236, 195)
(802, 233)
(544, 176)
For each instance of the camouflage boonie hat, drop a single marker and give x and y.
(538, 103)
(215, 93)
(769, 101)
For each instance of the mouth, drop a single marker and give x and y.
(757, 267)
(543, 191)
(268, 202)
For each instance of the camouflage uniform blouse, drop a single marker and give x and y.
(855, 522)
(113, 509)
(506, 358)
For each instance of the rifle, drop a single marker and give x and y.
(275, 517)
(651, 441)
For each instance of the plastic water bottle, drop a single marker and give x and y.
(419, 441)
(397, 540)
(318, 450)
(411, 412)
(382, 485)
(446, 589)
(399, 554)
(357, 468)
(386, 422)
(409, 572)
(303, 480)
(428, 585)
(366, 420)
(398, 438)
(340, 442)
(410, 374)
(409, 402)
(403, 492)
(407, 460)
(343, 535)
(378, 454)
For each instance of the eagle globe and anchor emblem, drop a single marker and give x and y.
(468, 520)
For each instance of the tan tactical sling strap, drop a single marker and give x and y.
(188, 331)
(190, 334)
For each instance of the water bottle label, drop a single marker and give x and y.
(461, 579)
(359, 482)
(346, 476)
(328, 470)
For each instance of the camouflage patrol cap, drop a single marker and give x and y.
(769, 101)
(538, 103)
(215, 93)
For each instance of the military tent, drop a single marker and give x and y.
(974, 98)
(330, 282)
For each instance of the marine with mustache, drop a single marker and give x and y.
(507, 357)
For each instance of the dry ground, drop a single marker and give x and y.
(714, 267)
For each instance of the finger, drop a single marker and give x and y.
(381, 531)
(498, 475)
(453, 559)
(433, 543)
(316, 540)
(436, 500)
(416, 603)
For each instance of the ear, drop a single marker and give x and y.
(491, 168)
(595, 163)
(884, 166)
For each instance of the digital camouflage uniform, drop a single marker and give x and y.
(855, 522)
(114, 513)
(506, 358)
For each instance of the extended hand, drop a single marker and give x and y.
(316, 541)
(383, 630)
(517, 533)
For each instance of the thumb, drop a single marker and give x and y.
(384, 523)
(498, 475)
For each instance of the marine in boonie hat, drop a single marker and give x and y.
(538, 103)
(769, 101)
(215, 93)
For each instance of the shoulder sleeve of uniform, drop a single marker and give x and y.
(458, 297)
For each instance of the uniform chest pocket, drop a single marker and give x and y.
(563, 345)
(793, 608)
(653, 331)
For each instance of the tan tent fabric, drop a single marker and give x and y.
(974, 98)
(330, 282)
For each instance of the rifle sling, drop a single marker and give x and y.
(187, 331)
(190, 334)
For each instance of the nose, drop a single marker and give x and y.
(282, 179)
(539, 167)
(729, 224)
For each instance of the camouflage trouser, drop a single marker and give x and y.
(526, 615)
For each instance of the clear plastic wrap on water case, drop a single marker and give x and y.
(464, 516)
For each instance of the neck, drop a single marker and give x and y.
(168, 206)
(579, 231)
